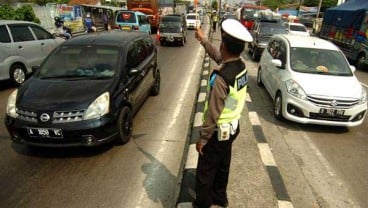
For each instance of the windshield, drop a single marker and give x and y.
(272, 29)
(299, 28)
(322, 61)
(249, 14)
(98, 62)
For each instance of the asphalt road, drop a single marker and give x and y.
(325, 164)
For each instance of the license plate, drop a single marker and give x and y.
(331, 112)
(126, 28)
(45, 132)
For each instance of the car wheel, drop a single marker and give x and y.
(277, 106)
(182, 43)
(18, 74)
(125, 125)
(259, 79)
(360, 61)
(156, 86)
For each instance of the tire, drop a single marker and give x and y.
(259, 79)
(17, 74)
(124, 125)
(359, 63)
(277, 106)
(156, 86)
(182, 42)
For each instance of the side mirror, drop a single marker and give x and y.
(277, 63)
(352, 68)
(35, 69)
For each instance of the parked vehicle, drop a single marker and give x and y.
(296, 29)
(23, 45)
(311, 82)
(193, 21)
(346, 26)
(148, 7)
(86, 92)
(132, 21)
(261, 31)
(172, 30)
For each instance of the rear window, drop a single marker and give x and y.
(127, 17)
(191, 17)
(4, 35)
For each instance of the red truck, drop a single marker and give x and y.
(248, 13)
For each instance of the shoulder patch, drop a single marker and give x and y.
(242, 81)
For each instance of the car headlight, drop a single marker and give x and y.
(11, 108)
(98, 107)
(363, 97)
(295, 89)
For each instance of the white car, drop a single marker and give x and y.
(297, 29)
(311, 82)
(193, 20)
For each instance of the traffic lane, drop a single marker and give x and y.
(143, 173)
(327, 156)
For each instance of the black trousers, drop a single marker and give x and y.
(214, 24)
(213, 172)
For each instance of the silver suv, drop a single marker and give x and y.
(23, 45)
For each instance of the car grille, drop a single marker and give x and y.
(58, 116)
(333, 102)
(68, 116)
(25, 115)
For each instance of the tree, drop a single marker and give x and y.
(214, 5)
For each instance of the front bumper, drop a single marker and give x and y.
(306, 112)
(92, 132)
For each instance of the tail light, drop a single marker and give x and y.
(135, 27)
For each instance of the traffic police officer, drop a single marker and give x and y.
(225, 101)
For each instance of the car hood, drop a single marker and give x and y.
(332, 86)
(36, 94)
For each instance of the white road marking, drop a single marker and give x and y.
(202, 97)
(192, 158)
(247, 98)
(366, 86)
(184, 91)
(284, 204)
(266, 154)
(198, 119)
(205, 72)
(204, 83)
(253, 117)
(319, 155)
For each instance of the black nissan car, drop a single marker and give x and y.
(86, 91)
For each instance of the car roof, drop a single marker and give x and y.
(109, 38)
(6, 22)
(307, 42)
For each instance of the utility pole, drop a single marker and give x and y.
(319, 8)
